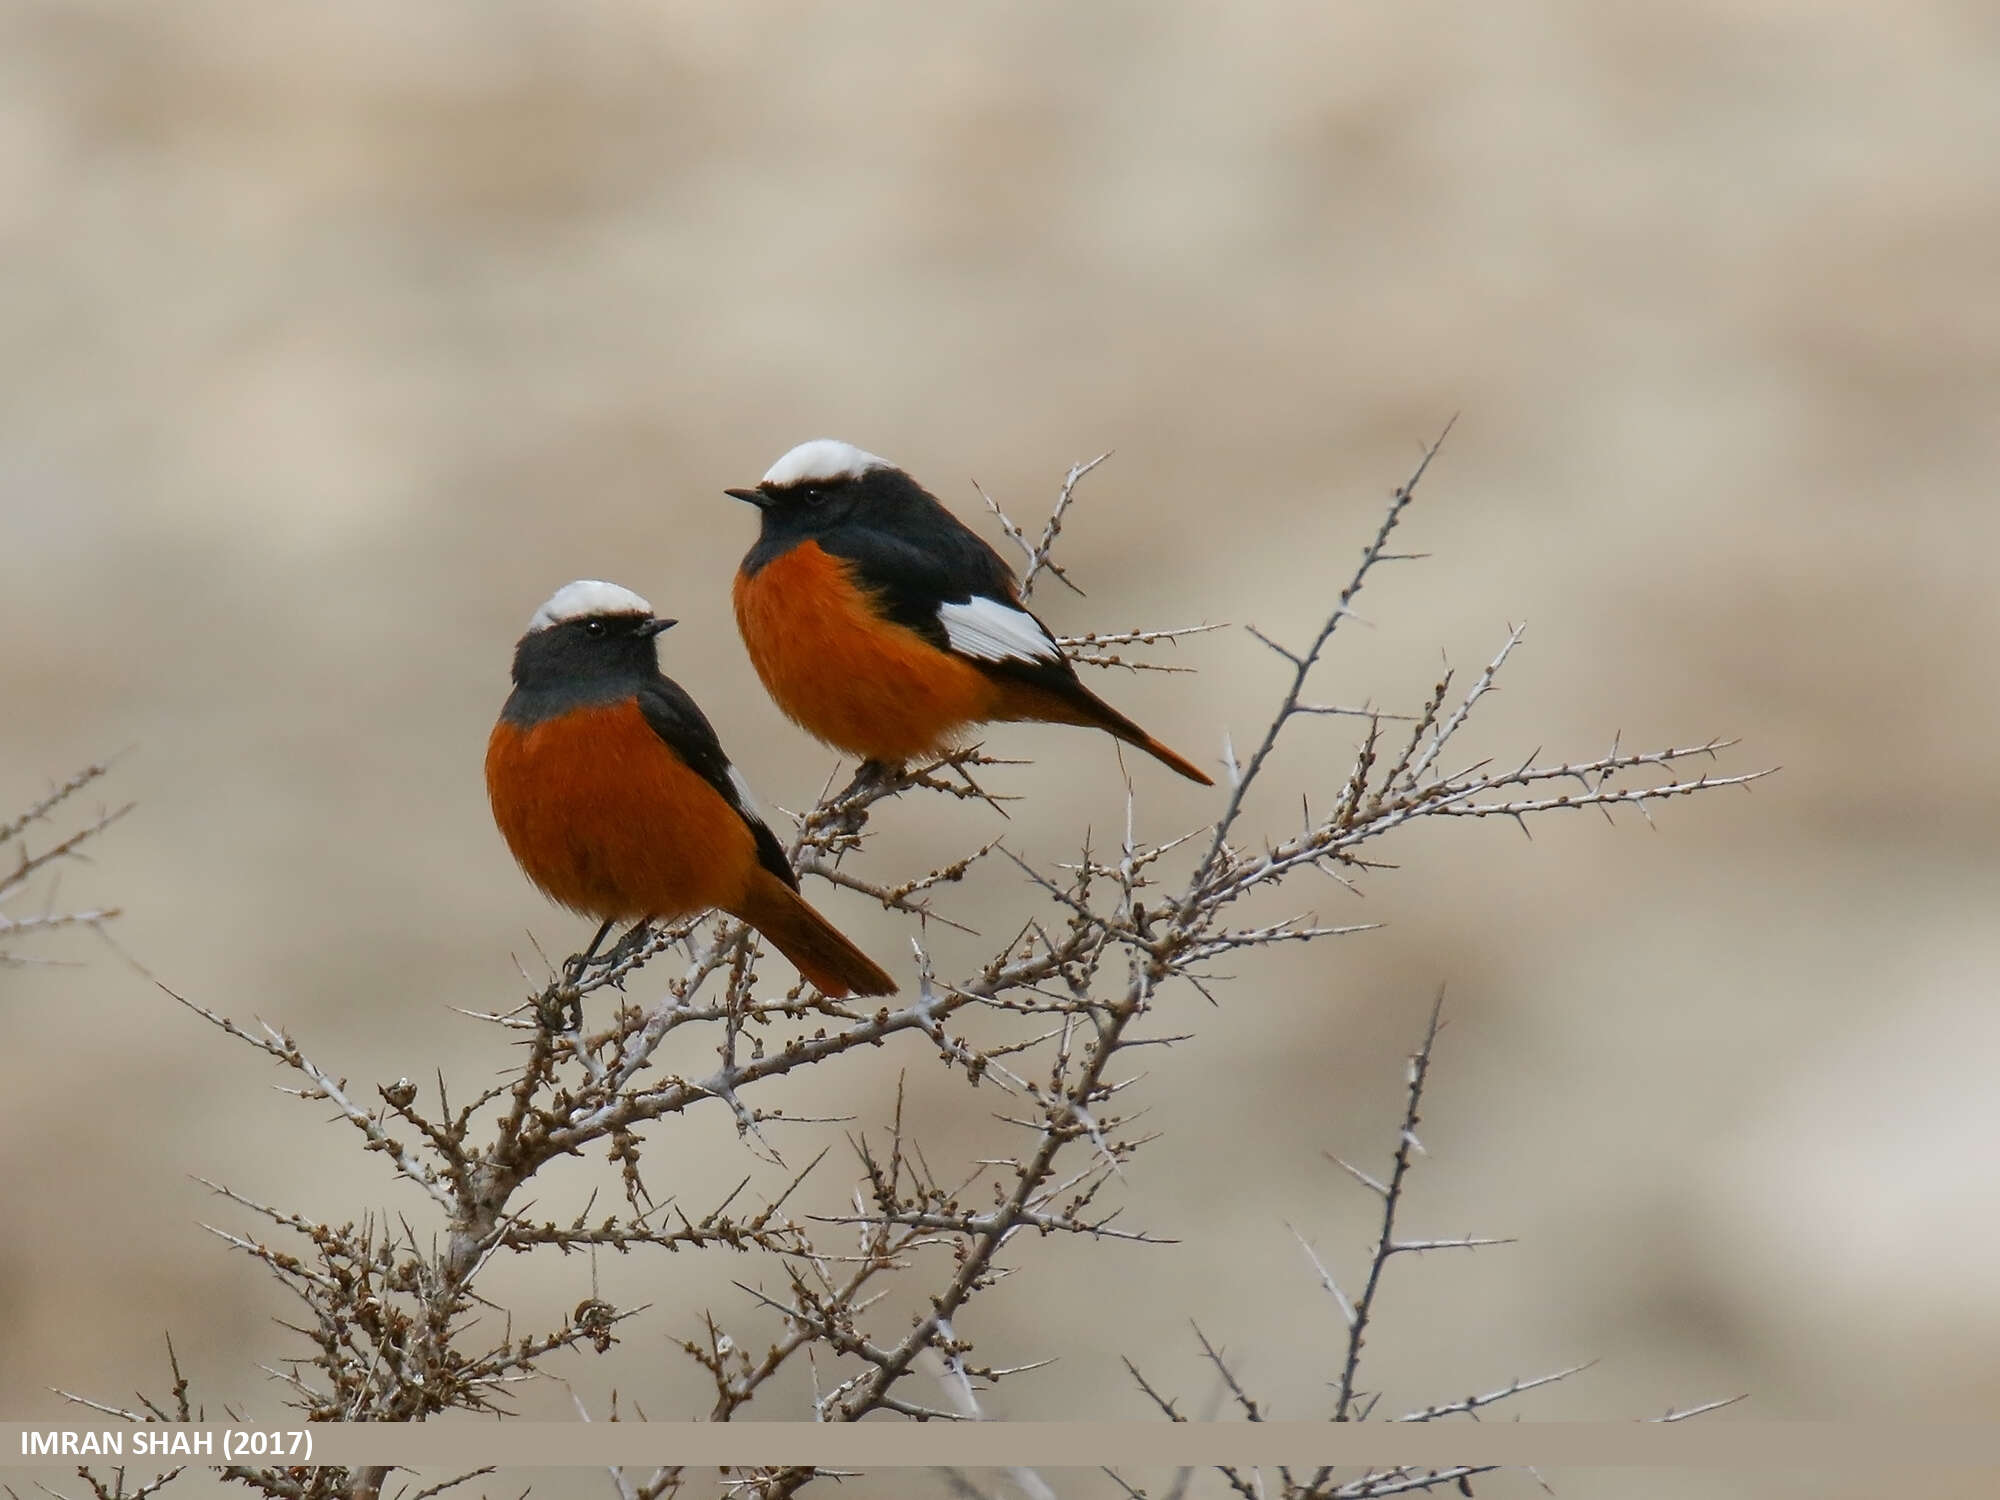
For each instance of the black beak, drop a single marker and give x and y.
(656, 625)
(755, 496)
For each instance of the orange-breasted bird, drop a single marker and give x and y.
(885, 627)
(610, 787)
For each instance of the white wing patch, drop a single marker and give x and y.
(746, 800)
(987, 630)
(586, 597)
(823, 459)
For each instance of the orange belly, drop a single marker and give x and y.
(844, 674)
(607, 820)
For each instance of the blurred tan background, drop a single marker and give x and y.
(334, 338)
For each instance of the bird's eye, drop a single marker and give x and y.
(594, 627)
(813, 494)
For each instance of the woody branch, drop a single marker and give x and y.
(1122, 934)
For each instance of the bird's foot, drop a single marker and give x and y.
(628, 946)
(559, 1008)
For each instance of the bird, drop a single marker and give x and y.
(613, 793)
(885, 627)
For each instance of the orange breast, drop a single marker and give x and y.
(606, 819)
(857, 681)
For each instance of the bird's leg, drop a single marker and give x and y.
(565, 1009)
(579, 963)
(561, 1006)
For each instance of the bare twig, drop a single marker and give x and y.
(19, 880)
(884, 1281)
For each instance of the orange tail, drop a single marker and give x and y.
(1132, 734)
(815, 949)
(1077, 704)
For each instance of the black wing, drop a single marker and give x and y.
(676, 718)
(931, 559)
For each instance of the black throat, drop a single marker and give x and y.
(564, 667)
